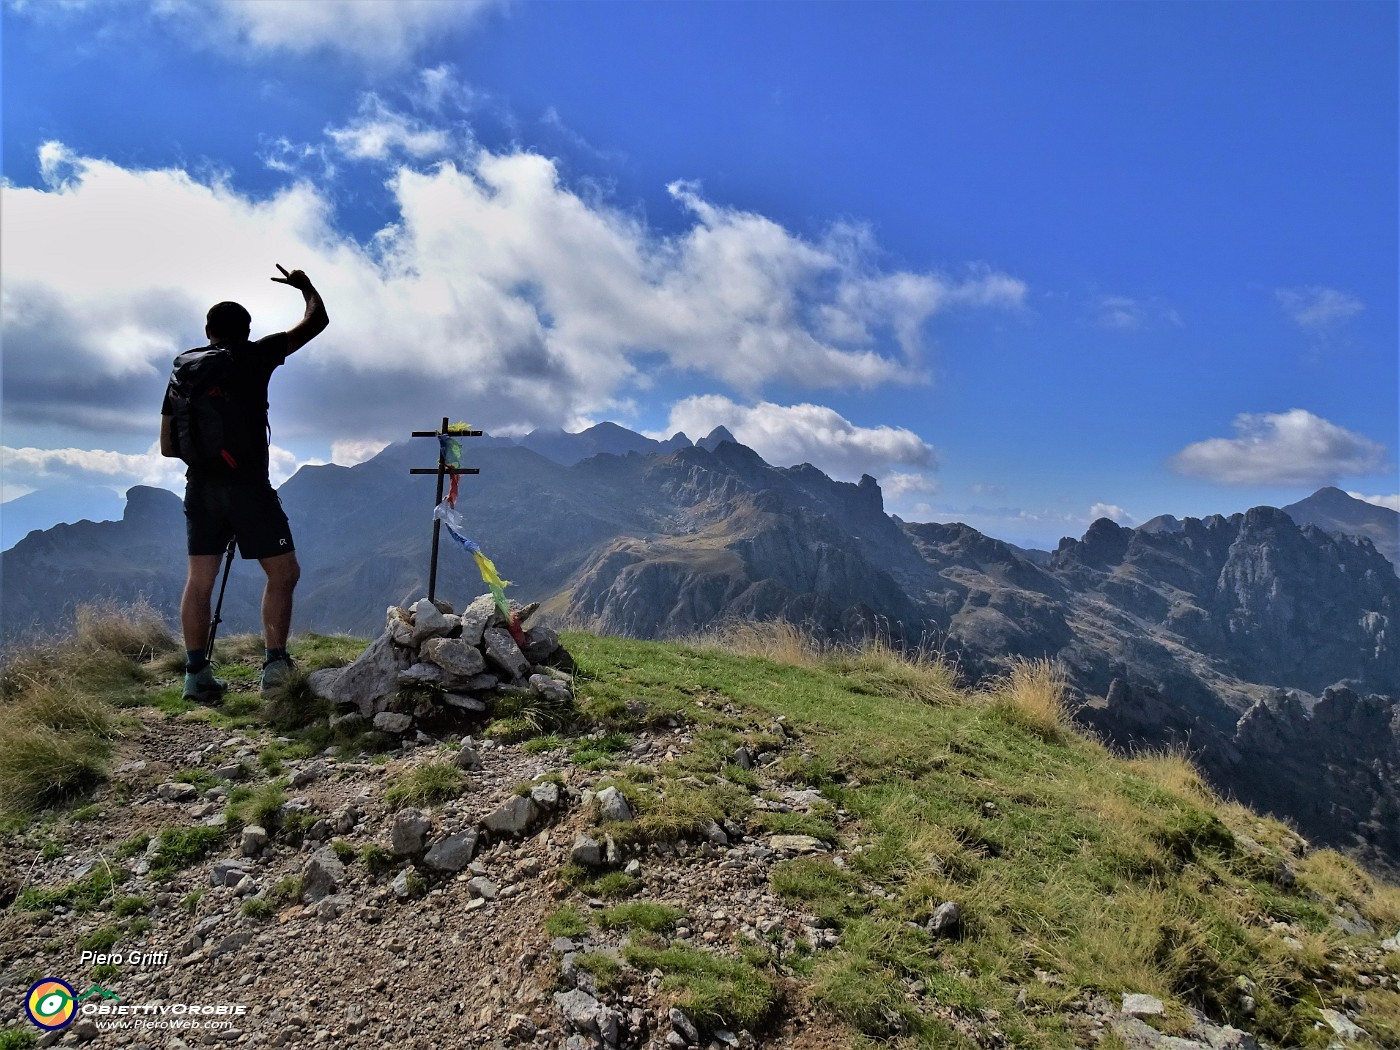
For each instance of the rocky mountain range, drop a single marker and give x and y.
(1263, 644)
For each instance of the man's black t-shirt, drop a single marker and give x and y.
(253, 365)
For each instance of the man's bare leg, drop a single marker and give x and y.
(282, 575)
(194, 603)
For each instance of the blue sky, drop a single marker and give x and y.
(1027, 264)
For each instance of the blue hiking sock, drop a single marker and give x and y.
(195, 661)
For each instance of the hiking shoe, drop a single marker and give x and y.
(276, 673)
(203, 688)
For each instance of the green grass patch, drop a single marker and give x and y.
(430, 784)
(715, 991)
(797, 824)
(171, 703)
(817, 882)
(606, 970)
(199, 778)
(614, 884)
(522, 715)
(54, 747)
(87, 894)
(684, 810)
(640, 915)
(866, 995)
(568, 921)
(287, 890)
(599, 752)
(293, 706)
(99, 940)
(294, 825)
(737, 774)
(241, 707)
(259, 806)
(131, 905)
(258, 908)
(314, 652)
(376, 859)
(178, 848)
(18, 1038)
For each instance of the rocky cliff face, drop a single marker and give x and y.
(1267, 601)
(1334, 769)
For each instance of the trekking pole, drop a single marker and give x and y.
(219, 606)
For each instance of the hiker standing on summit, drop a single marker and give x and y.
(214, 417)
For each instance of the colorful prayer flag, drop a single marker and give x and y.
(450, 517)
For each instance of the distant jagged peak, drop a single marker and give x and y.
(1331, 496)
(606, 438)
(716, 438)
(610, 431)
(1166, 524)
(146, 503)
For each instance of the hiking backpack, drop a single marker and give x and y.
(207, 424)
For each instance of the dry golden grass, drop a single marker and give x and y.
(53, 743)
(55, 719)
(136, 631)
(58, 707)
(1173, 771)
(40, 766)
(1338, 876)
(922, 676)
(104, 643)
(1120, 940)
(775, 640)
(1033, 695)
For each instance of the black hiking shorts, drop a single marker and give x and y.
(215, 514)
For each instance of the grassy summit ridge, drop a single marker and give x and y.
(1080, 875)
(1076, 871)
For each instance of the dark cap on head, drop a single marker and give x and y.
(227, 321)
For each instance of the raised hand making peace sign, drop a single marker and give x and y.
(297, 279)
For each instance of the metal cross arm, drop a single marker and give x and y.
(442, 470)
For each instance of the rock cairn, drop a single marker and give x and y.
(433, 665)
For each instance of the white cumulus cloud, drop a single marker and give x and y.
(786, 435)
(496, 293)
(900, 485)
(35, 468)
(1389, 502)
(1284, 448)
(378, 132)
(1113, 512)
(348, 451)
